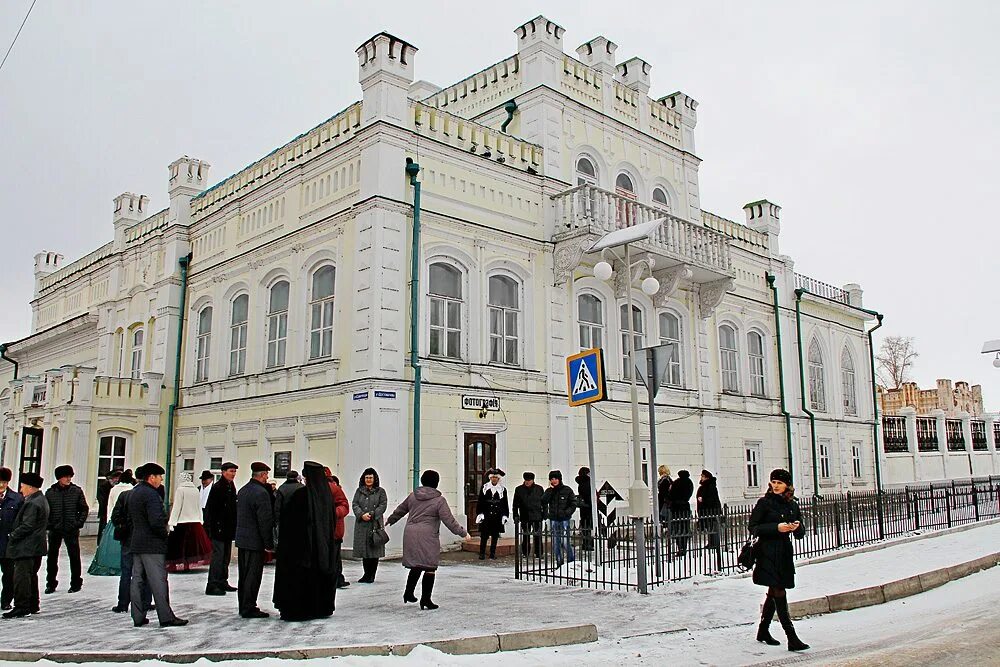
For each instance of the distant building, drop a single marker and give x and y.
(953, 400)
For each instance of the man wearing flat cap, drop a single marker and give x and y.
(220, 521)
(68, 512)
(207, 482)
(254, 536)
(26, 546)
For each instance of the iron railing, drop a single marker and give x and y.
(956, 438)
(689, 546)
(927, 438)
(820, 288)
(894, 434)
(979, 443)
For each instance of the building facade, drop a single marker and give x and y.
(953, 400)
(296, 299)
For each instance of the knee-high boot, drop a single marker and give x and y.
(411, 585)
(427, 589)
(766, 614)
(794, 643)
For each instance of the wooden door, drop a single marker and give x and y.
(31, 451)
(480, 456)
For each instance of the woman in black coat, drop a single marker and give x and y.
(710, 514)
(774, 519)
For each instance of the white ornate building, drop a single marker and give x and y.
(296, 329)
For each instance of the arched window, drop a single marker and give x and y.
(730, 356)
(277, 324)
(670, 332)
(445, 295)
(624, 186)
(120, 353)
(817, 391)
(238, 335)
(111, 454)
(660, 199)
(755, 351)
(633, 328)
(847, 383)
(504, 315)
(204, 348)
(590, 315)
(321, 313)
(137, 341)
(586, 173)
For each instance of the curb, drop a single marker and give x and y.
(893, 590)
(491, 643)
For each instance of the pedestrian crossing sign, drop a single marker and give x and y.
(585, 377)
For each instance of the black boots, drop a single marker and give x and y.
(411, 585)
(794, 643)
(427, 589)
(370, 566)
(766, 614)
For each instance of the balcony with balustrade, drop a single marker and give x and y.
(586, 212)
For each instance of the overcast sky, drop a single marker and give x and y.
(873, 124)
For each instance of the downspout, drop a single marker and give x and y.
(3, 355)
(510, 108)
(781, 373)
(802, 389)
(875, 420)
(183, 262)
(412, 169)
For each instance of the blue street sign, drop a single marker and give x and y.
(385, 394)
(585, 377)
(360, 395)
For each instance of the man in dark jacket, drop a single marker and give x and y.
(103, 495)
(710, 514)
(68, 512)
(148, 544)
(254, 536)
(585, 499)
(680, 509)
(559, 504)
(220, 512)
(26, 546)
(10, 503)
(281, 496)
(528, 513)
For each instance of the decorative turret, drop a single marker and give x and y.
(764, 216)
(46, 263)
(598, 53)
(187, 177)
(385, 71)
(130, 208)
(634, 74)
(540, 52)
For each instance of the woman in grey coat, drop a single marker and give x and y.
(427, 509)
(369, 506)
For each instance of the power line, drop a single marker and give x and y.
(18, 34)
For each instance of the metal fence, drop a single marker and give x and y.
(689, 546)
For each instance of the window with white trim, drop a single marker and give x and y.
(730, 357)
(633, 328)
(238, 335)
(817, 390)
(751, 459)
(504, 314)
(120, 361)
(590, 315)
(670, 333)
(847, 383)
(856, 460)
(111, 454)
(625, 189)
(321, 313)
(277, 324)
(824, 459)
(137, 341)
(755, 353)
(204, 346)
(445, 292)
(586, 172)
(661, 200)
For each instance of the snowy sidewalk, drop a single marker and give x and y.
(474, 600)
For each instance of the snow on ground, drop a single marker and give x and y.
(474, 600)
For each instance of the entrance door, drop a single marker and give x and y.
(31, 451)
(480, 456)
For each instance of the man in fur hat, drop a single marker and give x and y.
(493, 508)
(26, 546)
(68, 512)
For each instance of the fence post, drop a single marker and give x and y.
(947, 506)
(916, 509)
(879, 496)
(975, 501)
(517, 550)
(850, 512)
(836, 522)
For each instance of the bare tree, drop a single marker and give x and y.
(895, 359)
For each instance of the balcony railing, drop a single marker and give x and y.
(820, 288)
(953, 431)
(927, 439)
(894, 434)
(590, 207)
(996, 434)
(979, 443)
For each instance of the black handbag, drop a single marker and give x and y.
(379, 537)
(748, 555)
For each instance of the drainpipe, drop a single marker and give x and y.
(875, 420)
(510, 108)
(183, 262)
(3, 355)
(412, 169)
(781, 373)
(802, 389)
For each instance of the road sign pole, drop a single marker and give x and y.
(638, 493)
(597, 544)
(654, 486)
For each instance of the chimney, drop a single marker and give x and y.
(385, 71)
(187, 178)
(764, 216)
(634, 74)
(540, 52)
(598, 53)
(854, 295)
(46, 263)
(687, 107)
(130, 208)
